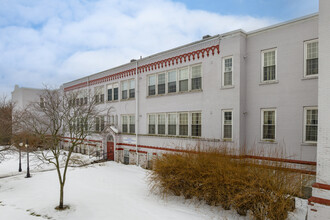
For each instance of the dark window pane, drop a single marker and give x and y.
(196, 130)
(227, 131)
(161, 88)
(172, 129)
(85, 100)
(311, 133)
(161, 129)
(124, 130)
(312, 66)
(152, 129)
(132, 128)
(152, 90)
(183, 130)
(183, 85)
(227, 79)
(269, 73)
(132, 93)
(102, 98)
(171, 87)
(196, 83)
(269, 132)
(109, 94)
(115, 94)
(124, 94)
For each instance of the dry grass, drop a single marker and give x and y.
(264, 188)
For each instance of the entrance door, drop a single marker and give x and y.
(110, 151)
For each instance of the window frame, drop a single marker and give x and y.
(262, 65)
(178, 122)
(128, 118)
(113, 87)
(177, 80)
(191, 77)
(99, 94)
(306, 108)
(148, 123)
(305, 58)
(262, 124)
(223, 71)
(191, 123)
(223, 124)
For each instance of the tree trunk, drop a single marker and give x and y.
(60, 206)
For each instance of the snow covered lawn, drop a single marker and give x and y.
(100, 191)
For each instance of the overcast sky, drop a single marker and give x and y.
(45, 42)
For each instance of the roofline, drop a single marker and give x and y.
(306, 17)
(223, 35)
(151, 56)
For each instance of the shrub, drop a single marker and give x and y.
(224, 178)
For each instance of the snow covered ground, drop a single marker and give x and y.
(100, 191)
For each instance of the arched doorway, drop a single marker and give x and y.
(110, 148)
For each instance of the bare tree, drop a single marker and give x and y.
(6, 108)
(59, 115)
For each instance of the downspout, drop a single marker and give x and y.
(136, 112)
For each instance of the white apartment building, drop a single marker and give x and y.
(247, 90)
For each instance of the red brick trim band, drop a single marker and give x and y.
(140, 151)
(246, 156)
(151, 66)
(321, 186)
(282, 160)
(318, 200)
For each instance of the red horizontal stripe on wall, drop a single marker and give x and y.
(321, 186)
(319, 201)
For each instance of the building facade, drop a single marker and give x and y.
(248, 90)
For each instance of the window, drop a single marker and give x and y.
(227, 70)
(311, 58)
(310, 125)
(269, 65)
(99, 95)
(227, 124)
(132, 124)
(115, 91)
(268, 124)
(85, 100)
(99, 123)
(161, 83)
(183, 79)
(161, 124)
(127, 123)
(186, 79)
(132, 88)
(152, 124)
(196, 77)
(112, 92)
(196, 124)
(183, 124)
(171, 81)
(124, 90)
(171, 124)
(109, 87)
(152, 85)
(124, 123)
